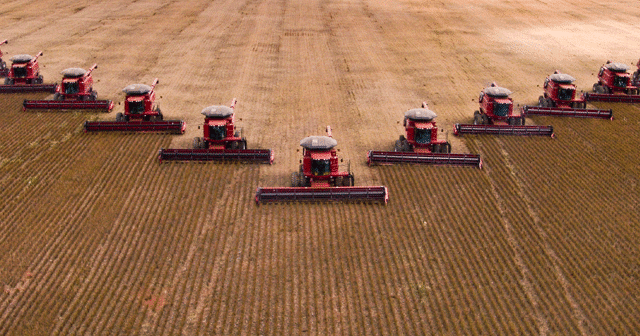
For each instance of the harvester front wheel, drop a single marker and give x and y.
(445, 148)
(93, 96)
(38, 80)
(477, 118)
(57, 96)
(8, 81)
(541, 101)
(242, 145)
(398, 146)
(348, 181)
(295, 179)
(484, 119)
(198, 142)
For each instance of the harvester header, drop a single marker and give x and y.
(319, 178)
(496, 116)
(141, 114)
(24, 76)
(420, 144)
(221, 141)
(75, 92)
(560, 99)
(614, 85)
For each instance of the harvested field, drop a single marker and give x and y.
(97, 237)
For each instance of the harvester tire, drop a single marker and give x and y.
(445, 148)
(435, 148)
(8, 81)
(541, 101)
(242, 145)
(198, 143)
(56, 96)
(3, 65)
(477, 118)
(484, 119)
(93, 96)
(398, 146)
(295, 179)
(349, 181)
(119, 117)
(38, 80)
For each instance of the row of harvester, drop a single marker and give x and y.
(141, 114)
(420, 144)
(496, 116)
(320, 178)
(74, 92)
(24, 76)
(221, 141)
(560, 99)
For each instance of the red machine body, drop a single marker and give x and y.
(496, 108)
(140, 114)
(420, 144)
(495, 116)
(221, 141)
(559, 99)
(614, 85)
(4, 71)
(139, 103)
(320, 178)
(24, 76)
(25, 69)
(74, 92)
(320, 164)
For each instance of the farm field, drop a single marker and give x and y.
(98, 238)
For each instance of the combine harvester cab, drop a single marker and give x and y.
(614, 85)
(140, 114)
(74, 92)
(24, 76)
(421, 144)
(560, 100)
(221, 141)
(495, 116)
(320, 179)
(4, 71)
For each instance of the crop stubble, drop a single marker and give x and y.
(100, 238)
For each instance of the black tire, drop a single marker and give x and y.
(351, 180)
(242, 145)
(57, 96)
(8, 81)
(398, 146)
(406, 147)
(39, 80)
(93, 96)
(119, 117)
(550, 103)
(541, 101)
(295, 179)
(485, 119)
(477, 118)
(445, 148)
(198, 143)
(435, 148)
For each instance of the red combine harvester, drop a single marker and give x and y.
(140, 114)
(24, 76)
(614, 85)
(4, 71)
(75, 92)
(495, 116)
(421, 144)
(221, 141)
(560, 100)
(320, 179)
